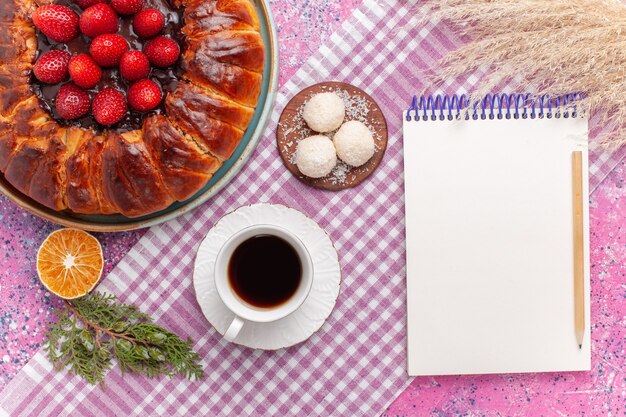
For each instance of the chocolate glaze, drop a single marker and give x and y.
(167, 78)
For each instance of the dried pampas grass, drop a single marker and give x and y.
(553, 47)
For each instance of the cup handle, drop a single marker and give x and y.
(234, 329)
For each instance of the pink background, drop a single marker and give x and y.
(25, 305)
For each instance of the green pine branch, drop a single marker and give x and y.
(95, 329)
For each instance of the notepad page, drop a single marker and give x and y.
(490, 261)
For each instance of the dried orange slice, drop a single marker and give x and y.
(69, 263)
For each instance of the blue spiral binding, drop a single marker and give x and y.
(493, 106)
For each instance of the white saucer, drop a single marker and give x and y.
(299, 325)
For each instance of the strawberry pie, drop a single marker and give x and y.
(124, 106)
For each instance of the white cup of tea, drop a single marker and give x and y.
(262, 273)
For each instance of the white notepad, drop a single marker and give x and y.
(490, 261)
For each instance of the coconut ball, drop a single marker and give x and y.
(316, 156)
(354, 143)
(324, 112)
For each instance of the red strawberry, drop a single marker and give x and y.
(98, 20)
(84, 71)
(58, 23)
(127, 7)
(107, 50)
(148, 23)
(144, 95)
(134, 66)
(72, 102)
(51, 67)
(162, 52)
(84, 4)
(109, 106)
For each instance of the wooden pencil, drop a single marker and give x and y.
(579, 260)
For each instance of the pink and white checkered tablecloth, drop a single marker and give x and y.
(356, 363)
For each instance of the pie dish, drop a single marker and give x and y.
(170, 156)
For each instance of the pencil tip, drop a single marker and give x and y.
(580, 346)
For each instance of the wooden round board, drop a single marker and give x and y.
(359, 106)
